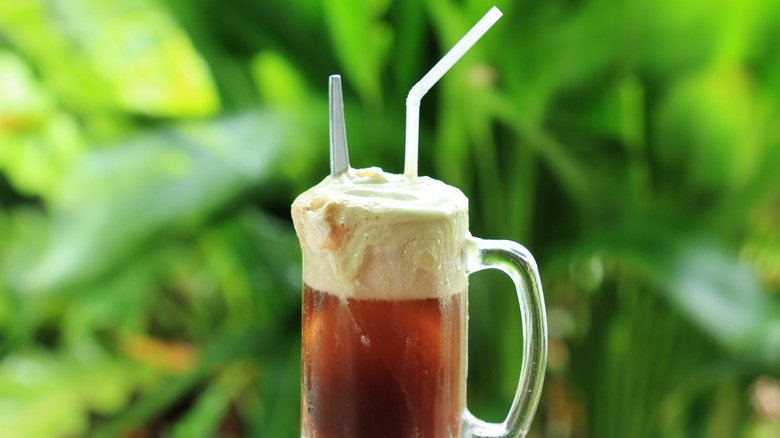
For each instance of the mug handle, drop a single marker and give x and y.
(519, 264)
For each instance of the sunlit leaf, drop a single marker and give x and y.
(707, 283)
(362, 42)
(710, 130)
(38, 141)
(277, 80)
(170, 182)
(47, 395)
(135, 56)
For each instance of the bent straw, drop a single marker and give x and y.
(420, 88)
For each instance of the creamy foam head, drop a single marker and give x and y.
(374, 235)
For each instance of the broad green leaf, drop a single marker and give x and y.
(710, 130)
(261, 342)
(120, 200)
(36, 159)
(153, 66)
(764, 428)
(406, 58)
(38, 141)
(712, 288)
(52, 395)
(362, 43)
(584, 45)
(67, 70)
(23, 100)
(701, 33)
(257, 257)
(131, 57)
(278, 82)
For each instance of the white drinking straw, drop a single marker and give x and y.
(420, 88)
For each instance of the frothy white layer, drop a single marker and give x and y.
(368, 234)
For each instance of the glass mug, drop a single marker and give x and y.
(387, 358)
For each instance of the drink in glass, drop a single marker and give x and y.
(384, 309)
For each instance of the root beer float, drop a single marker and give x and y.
(386, 260)
(384, 304)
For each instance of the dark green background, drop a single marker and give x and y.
(150, 149)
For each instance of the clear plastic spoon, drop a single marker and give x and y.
(339, 155)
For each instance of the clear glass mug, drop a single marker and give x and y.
(397, 368)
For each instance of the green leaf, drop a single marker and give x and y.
(261, 342)
(715, 290)
(278, 82)
(362, 42)
(123, 199)
(710, 130)
(273, 408)
(204, 418)
(52, 395)
(128, 56)
(38, 141)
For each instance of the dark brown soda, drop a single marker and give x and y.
(382, 369)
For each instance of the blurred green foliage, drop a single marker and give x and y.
(149, 151)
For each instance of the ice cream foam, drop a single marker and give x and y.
(369, 234)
